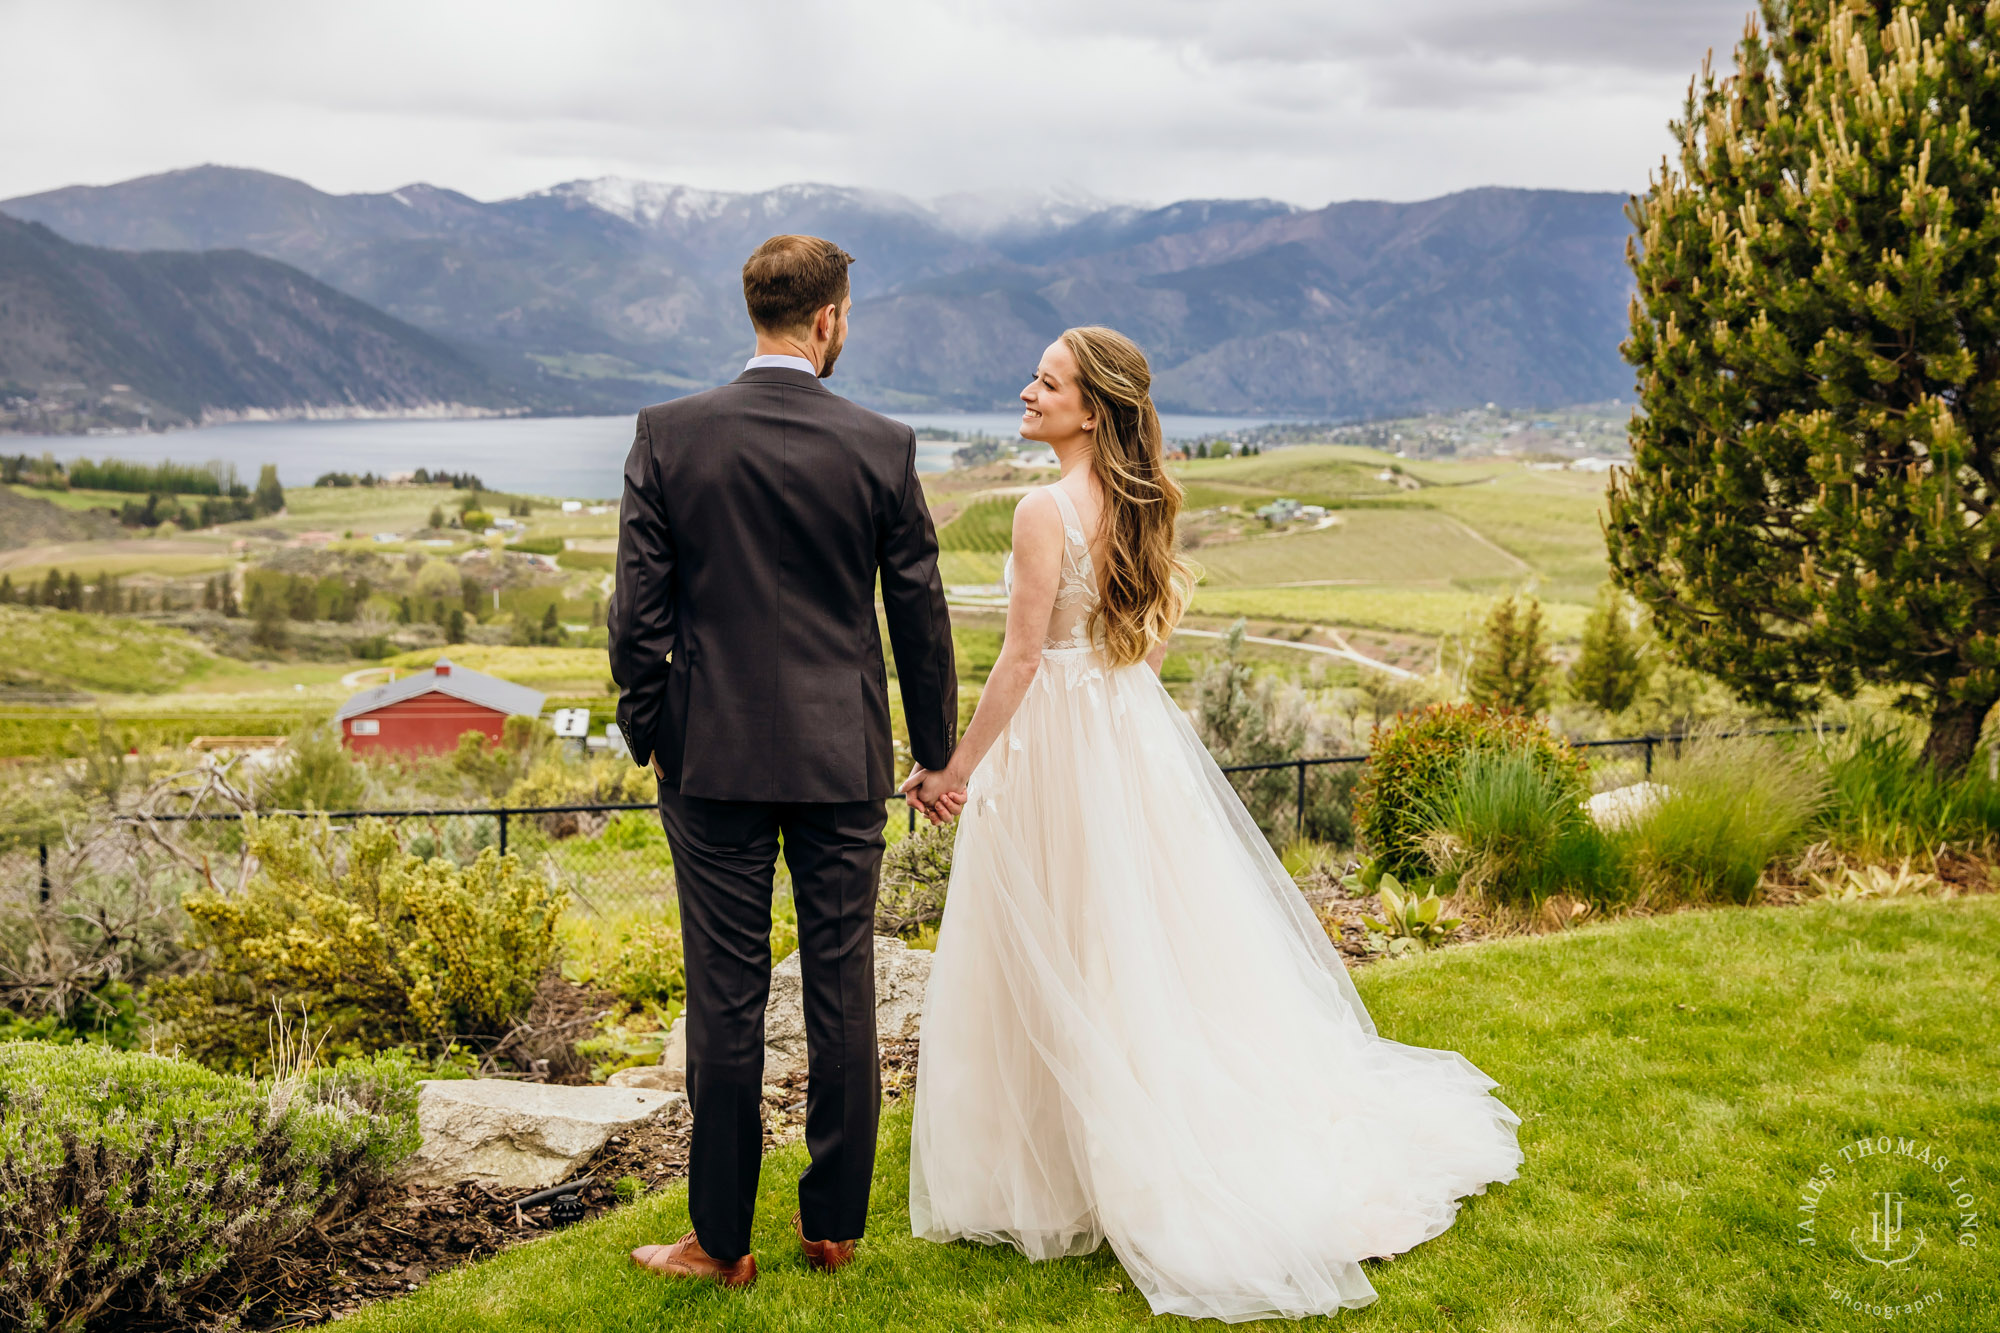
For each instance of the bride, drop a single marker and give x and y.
(1136, 1031)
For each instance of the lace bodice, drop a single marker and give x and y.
(1076, 590)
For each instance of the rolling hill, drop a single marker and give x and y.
(611, 293)
(174, 337)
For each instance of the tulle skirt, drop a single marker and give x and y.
(1136, 1031)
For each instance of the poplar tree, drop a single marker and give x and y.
(1818, 345)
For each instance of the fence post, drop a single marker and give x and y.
(1649, 758)
(503, 832)
(1300, 831)
(45, 871)
(913, 819)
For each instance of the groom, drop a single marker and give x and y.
(756, 522)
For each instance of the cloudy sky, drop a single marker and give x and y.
(1133, 100)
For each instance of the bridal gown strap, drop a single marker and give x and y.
(1136, 1031)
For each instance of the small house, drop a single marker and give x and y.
(427, 711)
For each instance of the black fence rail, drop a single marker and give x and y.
(612, 855)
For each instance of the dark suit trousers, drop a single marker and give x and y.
(725, 854)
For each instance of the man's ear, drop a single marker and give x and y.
(825, 322)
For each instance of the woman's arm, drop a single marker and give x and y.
(1038, 552)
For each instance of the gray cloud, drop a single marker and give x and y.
(1306, 100)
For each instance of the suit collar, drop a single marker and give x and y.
(782, 375)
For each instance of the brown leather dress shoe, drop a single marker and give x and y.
(825, 1255)
(686, 1258)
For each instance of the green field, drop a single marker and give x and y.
(1427, 561)
(1678, 1078)
(1400, 545)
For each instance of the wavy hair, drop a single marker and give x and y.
(1146, 584)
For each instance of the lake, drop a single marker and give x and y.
(563, 456)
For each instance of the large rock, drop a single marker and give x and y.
(519, 1135)
(1622, 805)
(901, 973)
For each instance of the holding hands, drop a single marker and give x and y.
(939, 794)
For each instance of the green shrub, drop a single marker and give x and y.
(1730, 808)
(148, 1186)
(1415, 762)
(381, 948)
(648, 968)
(552, 780)
(537, 545)
(916, 874)
(1511, 830)
(317, 772)
(1886, 802)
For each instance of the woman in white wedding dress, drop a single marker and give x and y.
(1136, 1030)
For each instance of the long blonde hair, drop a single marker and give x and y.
(1146, 584)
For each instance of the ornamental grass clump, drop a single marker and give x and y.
(1886, 802)
(1513, 832)
(1731, 807)
(143, 1186)
(382, 948)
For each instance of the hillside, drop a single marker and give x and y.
(94, 336)
(28, 520)
(615, 293)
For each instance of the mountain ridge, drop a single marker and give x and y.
(612, 292)
(178, 337)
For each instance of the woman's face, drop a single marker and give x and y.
(1053, 410)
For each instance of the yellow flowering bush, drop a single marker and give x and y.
(382, 948)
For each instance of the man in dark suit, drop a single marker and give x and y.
(756, 521)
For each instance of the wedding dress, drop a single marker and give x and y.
(1136, 1030)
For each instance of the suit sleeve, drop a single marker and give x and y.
(919, 624)
(641, 618)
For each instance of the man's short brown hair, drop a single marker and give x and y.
(792, 278)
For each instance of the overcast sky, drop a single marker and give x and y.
(1132, 100)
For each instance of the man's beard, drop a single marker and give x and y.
(832, 355)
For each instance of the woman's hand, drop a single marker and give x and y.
(940, 795)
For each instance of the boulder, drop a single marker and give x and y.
(901, 973)
(514, 1135)
(1621, 805)
(657, 1077)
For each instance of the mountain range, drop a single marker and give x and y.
(605, 294)
(176, 337)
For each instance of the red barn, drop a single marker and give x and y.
(430, 710)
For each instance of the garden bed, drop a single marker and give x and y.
(405, 1237)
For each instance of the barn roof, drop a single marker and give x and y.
(475, 687)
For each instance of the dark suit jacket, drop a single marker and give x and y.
(756, 519)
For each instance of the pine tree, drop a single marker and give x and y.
(1512, 667)
(1817, 335)
(1612, 668)
(455, 626)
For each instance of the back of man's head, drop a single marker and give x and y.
(790, 279)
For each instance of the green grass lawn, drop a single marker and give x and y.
(1678, 1078)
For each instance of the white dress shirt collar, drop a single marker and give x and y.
(775, 361)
